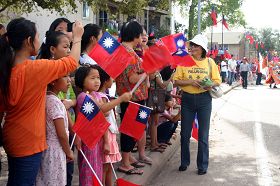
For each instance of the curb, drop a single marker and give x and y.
(159, 161)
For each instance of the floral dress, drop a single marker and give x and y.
(52, 171)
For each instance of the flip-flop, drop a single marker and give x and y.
(131, 171)
(157, 149)
(146, 161)
(137, 164)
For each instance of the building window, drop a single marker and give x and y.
(85, 10)
(103, 18)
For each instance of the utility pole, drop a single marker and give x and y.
(172, 20)
(199, 17)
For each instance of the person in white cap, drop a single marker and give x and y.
(196, 100)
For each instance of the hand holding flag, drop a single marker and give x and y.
(108, 53)
(91, 124)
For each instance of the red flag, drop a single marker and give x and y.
(122, 182)
(156, 57)
(251, 38)
(91, 123)
(182, 58)
(108, 53)
(95, 181)
(135, 120)
(214, 16)
(262, 45)
(216, 51)
(195, 128)
(174, 42)
(257, 45)
(224, 21)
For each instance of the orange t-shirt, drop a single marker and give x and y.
(24, 130)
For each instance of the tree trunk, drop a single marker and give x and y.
(191, 19)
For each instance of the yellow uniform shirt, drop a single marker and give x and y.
(197, 72)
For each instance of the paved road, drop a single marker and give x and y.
(244, 145)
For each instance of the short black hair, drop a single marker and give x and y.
(130, 31)
(1, 26)
(103, 76)
(168, 97)
(203, 55)
(82, 73)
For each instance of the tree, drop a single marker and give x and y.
(230, 8)
(129, 7)
(268, 36)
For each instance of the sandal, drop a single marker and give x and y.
(131, 171)
(168, 143)
(146, 160)
(163, 145)
(157, 149)
(137, 164)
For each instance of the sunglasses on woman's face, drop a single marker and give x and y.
(194, 45)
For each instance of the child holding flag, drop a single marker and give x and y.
(114, 155)
(88, 79)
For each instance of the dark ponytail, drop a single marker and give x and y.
(89, 31)
(18, 30)
(52, 39)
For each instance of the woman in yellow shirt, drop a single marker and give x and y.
(196, 100)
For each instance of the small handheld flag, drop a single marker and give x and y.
(135, 120)
(108, 53)
(91, 124)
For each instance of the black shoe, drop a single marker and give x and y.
(183, 168)
(260, 84)
(274, 86)
(201, 172)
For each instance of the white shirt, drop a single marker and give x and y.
(224, 67)
(232, 65)
(85, 59)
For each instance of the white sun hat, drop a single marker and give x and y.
(200, 40)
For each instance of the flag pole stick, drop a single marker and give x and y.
(139, 82)
(112, 167)
(91, 167)
(73, 141)
(131, 102)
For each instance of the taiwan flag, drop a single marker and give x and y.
(111, 56)
(123, 182)
(224, 22)
(195, 128)
(175, 42)
(91, 124)
(156, 57)
(135, 120)
(182, 58)
(214, 16)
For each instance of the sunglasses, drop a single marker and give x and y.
(194, 45)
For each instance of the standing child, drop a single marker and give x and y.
(53, 165)
(87, 78)
(114, 155)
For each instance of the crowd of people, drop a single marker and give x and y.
(43, 86)
(233, 70)
(42, 90)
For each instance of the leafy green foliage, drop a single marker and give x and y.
(269, 37)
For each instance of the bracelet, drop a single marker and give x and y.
(76, 42)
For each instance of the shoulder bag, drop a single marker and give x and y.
(215, 91)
